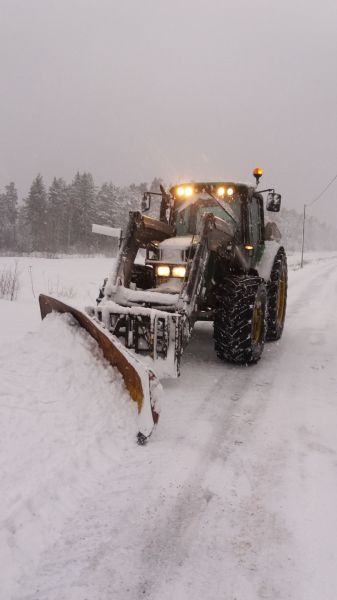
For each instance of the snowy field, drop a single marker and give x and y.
(234, 497)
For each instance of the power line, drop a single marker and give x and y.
(304, 215)
(323, 191)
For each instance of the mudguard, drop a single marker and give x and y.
(141, 383)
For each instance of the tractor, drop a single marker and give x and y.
(209, 256)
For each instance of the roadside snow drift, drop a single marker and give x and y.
(70, 417)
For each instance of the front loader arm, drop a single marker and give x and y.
(216, 234)
(142, 231)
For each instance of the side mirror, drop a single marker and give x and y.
(273, 202)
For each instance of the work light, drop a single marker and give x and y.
(179, 271)
(163, 271)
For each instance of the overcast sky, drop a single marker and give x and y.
(182, 89)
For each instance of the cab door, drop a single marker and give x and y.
(255, 226)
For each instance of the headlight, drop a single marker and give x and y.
(230, 192)
(221, 191)
(163, 271)
(178, 271)
(180, 191)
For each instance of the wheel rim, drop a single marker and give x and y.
(257, 323)
(281, 300)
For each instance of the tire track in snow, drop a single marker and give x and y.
(166, 549)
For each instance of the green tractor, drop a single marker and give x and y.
(209, 257)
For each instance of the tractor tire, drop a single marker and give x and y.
(277, 296)
(240, 321)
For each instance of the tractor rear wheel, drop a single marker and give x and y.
(240, 320)
(277, 296)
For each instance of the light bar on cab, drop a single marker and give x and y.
(222, 191)
(187, 190)
(184, 191)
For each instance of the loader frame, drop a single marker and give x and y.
(151, 328)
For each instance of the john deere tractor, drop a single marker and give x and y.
(208, 257)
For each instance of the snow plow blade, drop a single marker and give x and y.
(142, 385)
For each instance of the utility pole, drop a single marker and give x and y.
(303, 235)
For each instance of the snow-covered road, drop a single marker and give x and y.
(234, 498)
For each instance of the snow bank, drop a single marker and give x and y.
(73, 279)
(71, 419)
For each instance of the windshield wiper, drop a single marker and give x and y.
(223, 208)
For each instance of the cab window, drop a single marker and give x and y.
(189, 219)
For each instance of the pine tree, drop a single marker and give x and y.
(11, 195)
(8, 216)
(107, 205)
(129, 199)
(36, 214)
(58, 215)
(23, 233)
(82, 203)
(3, 220)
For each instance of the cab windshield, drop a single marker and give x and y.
(189, 218)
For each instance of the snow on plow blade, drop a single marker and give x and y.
(140, 382)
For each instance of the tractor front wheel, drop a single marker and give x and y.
(240, 320)
(277, 296)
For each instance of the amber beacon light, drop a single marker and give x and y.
(258, 172)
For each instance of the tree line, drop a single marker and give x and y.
(58, 219)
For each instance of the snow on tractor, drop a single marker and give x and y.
(209, 257)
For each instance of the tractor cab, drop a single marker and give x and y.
(190, 204)
(193, 201)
